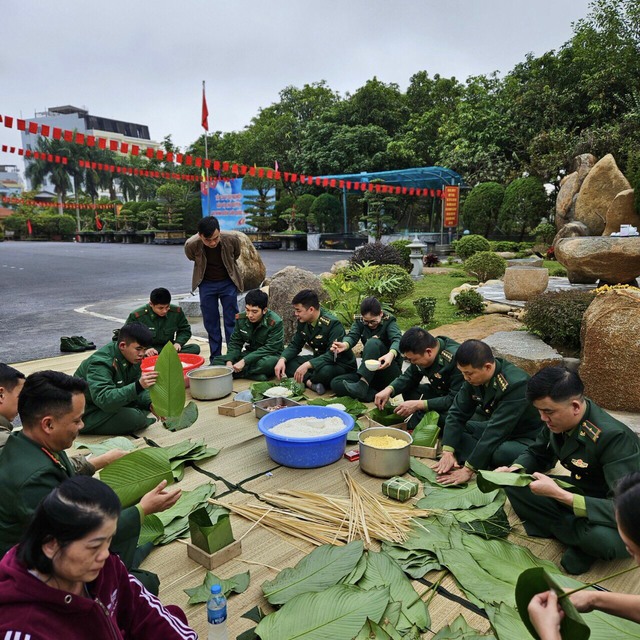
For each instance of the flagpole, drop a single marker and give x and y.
(206, 155)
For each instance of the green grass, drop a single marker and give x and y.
(435, 286)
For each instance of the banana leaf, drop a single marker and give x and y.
(492, 480)
(382, 570)
(137, 473)
(425, 473)
(322, 568)
(352, 406)
(236, 584)
(426, 434)
(440, 497)
(481, 513)
(168, 393)
(98, 448)
(297, 389)
(188, 417)
(537, 580)
(338, 613)
(459, 629)
(386, 417)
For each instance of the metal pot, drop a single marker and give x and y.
(261, 407)
(384, 463)
(210, 383)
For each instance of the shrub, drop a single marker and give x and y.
(430, 260)
(545, 232)
(399, 284)
(503, 245)
(426, 307)
(481, 207)
(404, 251)
(377, 253)
(556, 316)
(485, 265)
(469, 303)
(468, 245)
(558, 271)
(457, 273)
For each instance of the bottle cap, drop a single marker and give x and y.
(216, 588)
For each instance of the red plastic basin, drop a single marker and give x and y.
(189, 361)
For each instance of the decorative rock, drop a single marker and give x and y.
(532, 261)
(583, 164)
(463, 287)
(569, 188)
(611, 350)
(525, 283)
(612, 260)
(507, 255)
(573, 364)
(621, 211)
(339, 264)
(250, 263)
(283, 287)
(573, 229)
(600, 187)
(524, 350)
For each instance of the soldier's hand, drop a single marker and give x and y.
(506, 469)
(101, 461)
(545, 486)
(158, 499)
(409, 407)
(546, 615)
(177, 347)
(382, 397)
(298, 376)
(338, 347)
(386, 360)
(280, 368)
(148, 379)
(238, 366)
(150, 352)
(446, 463)
(456, 476)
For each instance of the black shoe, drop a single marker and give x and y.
(68, 345)
(84, 343)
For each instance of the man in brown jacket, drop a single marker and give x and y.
(217, 277)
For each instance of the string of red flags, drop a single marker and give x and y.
(36, 155)
(190, 160)
(55, 205)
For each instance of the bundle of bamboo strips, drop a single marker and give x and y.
(323, 519)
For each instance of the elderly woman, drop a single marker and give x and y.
(544, 611)
(61, 581)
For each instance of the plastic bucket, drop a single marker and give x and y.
(189, 361)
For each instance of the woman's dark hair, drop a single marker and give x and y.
(417, 340)
(71, 511)
(627, 499)
(371, 306)
(474, 353)
(558, 383)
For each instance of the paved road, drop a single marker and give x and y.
(42, 285)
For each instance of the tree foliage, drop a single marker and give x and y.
(482, 206)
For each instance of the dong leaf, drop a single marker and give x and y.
(322, 568)
(337, 612)
(492, 480)
(188, 417)
(236, 584)
(386, 417)
(297, 389)
(168, 393)
(486, 512)
(426, 432)
(425, 473)
(496, 526)
(98, 448)
(373, 631)
(137, 473)
(459, 629)
(437, 497)
(352, 406)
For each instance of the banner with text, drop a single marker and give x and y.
(451, 205)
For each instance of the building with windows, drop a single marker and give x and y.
(10, 181)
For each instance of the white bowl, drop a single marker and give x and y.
(372, 365)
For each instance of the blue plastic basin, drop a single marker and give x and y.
(305, 453)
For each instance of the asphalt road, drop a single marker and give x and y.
(44, 284)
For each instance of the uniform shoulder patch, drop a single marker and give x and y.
(136, 314)
(175, 309)
(503, 383)
(272, 322)
(590, 430)
(324, 320)
(237, 316)
(447, 356)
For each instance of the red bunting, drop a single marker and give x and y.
(29, 227)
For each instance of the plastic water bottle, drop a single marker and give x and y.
(217, 614)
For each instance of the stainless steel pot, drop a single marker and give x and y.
(384, 463)
(210, 383)
(261, 407)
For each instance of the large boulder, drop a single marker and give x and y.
(564, 210)
(250, 263)
(531, 261)
(525, 283)
(611, 350)
(582, 164)
(612, 260)
(621, 211)
(573, 229)
(524, 350)
(283, 286)
(602, 184)
(339, 264)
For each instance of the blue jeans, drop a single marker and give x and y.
(227, 293)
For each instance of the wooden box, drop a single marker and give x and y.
(424, 452)
(212, 560)
(234, 408)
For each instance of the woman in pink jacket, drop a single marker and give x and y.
(62, 582)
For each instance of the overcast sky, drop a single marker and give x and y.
(144, 61)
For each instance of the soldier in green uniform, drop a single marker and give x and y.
(33, 462)
(118, 399)
(257, 340)
(596, 449)
(490, 422)
(432, 358)
(11, 383)
(380, 336)
(318, 329)
(166, 322)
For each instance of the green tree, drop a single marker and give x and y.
(379, 212)
(525, 204)
(173, 198)
(325, 213)
(481, 207)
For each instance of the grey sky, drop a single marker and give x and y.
(144, 61)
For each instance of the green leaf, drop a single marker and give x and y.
(236, 584)
(383, 570)
(188, 417)
(358, 571)
(98, 448)
(496, 526)
(425, 473)
(426, 432)
(481, 513)
(297, 389)
(352, 406)
(322, 568)
(492, 480)
(337, 612)
(459, 629)
(386, 417)
(538, 580)
(437, 497)
(372, 631)
(151, 530)
(137, 473)
(168, 393)
(506, 622)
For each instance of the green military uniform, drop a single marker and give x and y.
(444, 379)
(29, 472)
(490, 425)
(116, 403)
(259, 345)
(598, 453)
(319, 338)
(174, 327)
(376, 343)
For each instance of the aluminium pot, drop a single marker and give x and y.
(384, 463)
(210, 383)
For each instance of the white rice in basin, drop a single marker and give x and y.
(308, 427)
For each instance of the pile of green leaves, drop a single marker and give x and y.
(297, 389)
(236, 584)
(187, 451)
(167, 526)
(343, 593)
(386, 417)
(353, 407)
(98, 448)
(426, 432)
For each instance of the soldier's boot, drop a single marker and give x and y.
(84, 343)
(358, 390)
(68, 345)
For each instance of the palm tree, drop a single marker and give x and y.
(37, 171)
